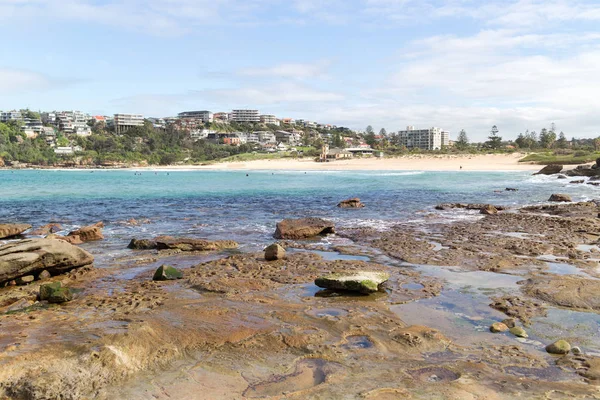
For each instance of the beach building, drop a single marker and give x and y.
(124, 122)
(245, 116)
(425, 139)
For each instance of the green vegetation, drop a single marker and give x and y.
(562, 157)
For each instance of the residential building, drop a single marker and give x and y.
(158, 123)
(267, 137)
(204, 116)
(221, 117)
(232, 141)
(245, 116)
(445, 139)
(124, 122)
(292, 138)
(67, 150)
(198, 134)
(426, 139)
(288, 121)
(6, 116)
(310, 124)
(338, 154)
(269, 119)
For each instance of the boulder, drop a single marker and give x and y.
(360, 281)
(550, 170)
(274, 252)
(10, 230)
(561, 176)
(351, 203)
(55, 293)
(558, 197)
(498, 327)
(186, 244)
(488, 210)
(519, 332)
(579, 181)
(167, 273)
(86, 234)
(141, 244)
(583, 170)
(303, 228)
(46, 230)
(559, 347)
(32, 256)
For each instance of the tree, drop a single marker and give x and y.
(369, 130)
(370, 136)
(494, 141)
(561, 143)
(462, 142)
(383, 132)
(547, 138)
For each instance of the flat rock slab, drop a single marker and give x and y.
(362, 282)
(9, 230)
(185, 244)
(303, 228)
(32, 256)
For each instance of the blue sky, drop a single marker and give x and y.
(519, 64)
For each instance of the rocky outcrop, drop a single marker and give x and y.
(583, 170)
(32, 256)
(466, 206)
(274, 252)
(578, 181)
(10, 230)
(488, 210)
(550, 170)
(141, 244)
(360, 281)
(559, 197)
(86, 234)
(303, 228)
(46, 230)
(186, 244)
(167, 273)
(351, 203)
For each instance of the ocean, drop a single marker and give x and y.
(246, 205)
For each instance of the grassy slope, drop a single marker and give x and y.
(551, 158)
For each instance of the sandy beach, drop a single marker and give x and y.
(483, 162)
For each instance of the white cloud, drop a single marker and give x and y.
(317, 69)
(13, 80)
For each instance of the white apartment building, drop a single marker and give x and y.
(445, 138)
(269, 119)
(204, 116)
(124, 122)
(6, 116)
(426, 139)
(245, 116)
(267, 137)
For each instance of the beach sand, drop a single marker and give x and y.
(483, 162)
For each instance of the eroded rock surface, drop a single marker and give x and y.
(10, 230)
(303, 228)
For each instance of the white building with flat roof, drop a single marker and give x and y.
(245, 116)
(124, 122)
(425, 139)
(6, 116)
(269, 119)
(204, 116)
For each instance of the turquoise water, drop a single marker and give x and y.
(229, 204)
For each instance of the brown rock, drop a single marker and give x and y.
(274, 252)
(141, 244)
(186, 244)
(46, 230)
(303, 228)
(31, 256)
(87, 233)
(550, 170)
(351, 203)
(498, 327)
(559, 197)
(488, 210)
(9, 230)
(44, 275)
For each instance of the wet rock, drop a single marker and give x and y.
(32, 256)
(360, 281)
(510, 322)
(498, 327)
(46, 229)
(576, 350)
(565, 291)
(519, 332)
(559, 197)
(511, 189)
(167, 273)
(55, 293)
(86, 234)
(141, 244)
(488, 210)
(186, 244)
(274, 252)
(559, 347)
(25, 280)
(351, 203)
(44, 275)
(466, 206)
(10, 230)
(303, 228)
(583, 170)
(561, 176)
(577, 181)
(17, 306)
(550, 170)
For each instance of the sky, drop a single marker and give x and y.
(454, 64)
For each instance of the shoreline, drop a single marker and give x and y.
(432, 163)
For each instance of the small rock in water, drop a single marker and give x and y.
(511, 190)
(576, 350)
(559, 347)
(351, 203)
(579, 181)
(360, 281)
(510, 322)
(274, 252)
(55, 293)
(166, 273)
(488, 210)
(559, 197)
(519, 332)
(498, 327)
